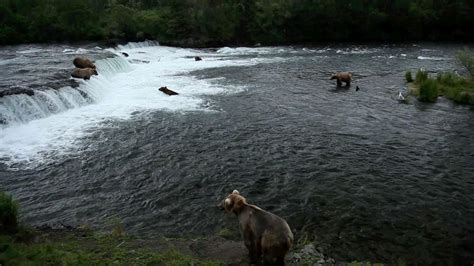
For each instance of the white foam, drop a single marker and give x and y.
(30, 51)
(434, 58)
(251, 51)
(120, 90)
(357, 50)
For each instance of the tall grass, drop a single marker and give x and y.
(408, 76)
(8, 214)
(428, 91)
(421, 75)
(449, 79)
(467, 60)
(456, 88)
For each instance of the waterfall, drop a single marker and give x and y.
(134, 45)
(111, 66)
(21, 108)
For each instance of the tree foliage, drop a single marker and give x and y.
(219, 22)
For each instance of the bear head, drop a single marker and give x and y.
(233, 202)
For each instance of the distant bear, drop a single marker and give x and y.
(83, 73)
(343, 77)
(168, 91)
(83, 63)
(265, 235)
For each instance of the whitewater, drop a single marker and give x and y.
(52, 122)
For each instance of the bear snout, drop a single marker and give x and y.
(220, 206)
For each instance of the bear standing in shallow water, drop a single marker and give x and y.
(265, 235)
(83, 73)
(343, 77)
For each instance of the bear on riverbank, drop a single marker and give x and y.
(80, 62)
(343, 77)
(265, 234)
(83, 73)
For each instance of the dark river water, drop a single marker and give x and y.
(366, 177)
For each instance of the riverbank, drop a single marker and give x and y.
(48, 246)
(64, 246)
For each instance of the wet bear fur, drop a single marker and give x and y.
(165, 90)
(343, 77)
(80, 62)
(266, 236)
(83, 73)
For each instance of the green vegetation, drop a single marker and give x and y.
(467, 60)
(89, 249)
(24, 246)
(421, 75)
(428, 91)
(212, 23)
(408, 76)
(448, 84)
(8, 214)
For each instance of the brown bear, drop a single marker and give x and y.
(83, 73)
(80, 62)
(266, 235)
(165, 90)
(343, 76)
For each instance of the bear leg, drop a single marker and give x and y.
(348, 83)
(254, 253)
(339, 83)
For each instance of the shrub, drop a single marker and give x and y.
(465, 97)
(467, 60)
(421, 75)
(8, 214)
(449, 79)
(408, 76)
(428, 91)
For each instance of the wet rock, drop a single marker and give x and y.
(16, 90)
(197, 58)
(309, 255)
(125, 54)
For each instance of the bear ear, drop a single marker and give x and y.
(235, 192)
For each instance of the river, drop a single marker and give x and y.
(365, 176)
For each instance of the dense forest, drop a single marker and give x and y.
(226, 22)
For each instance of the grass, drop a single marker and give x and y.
(408, 76)
(8, 214)
(21, 245)
(452, 86)
(89, 250)
(428, 91)
(466, 58)
(421, 75)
